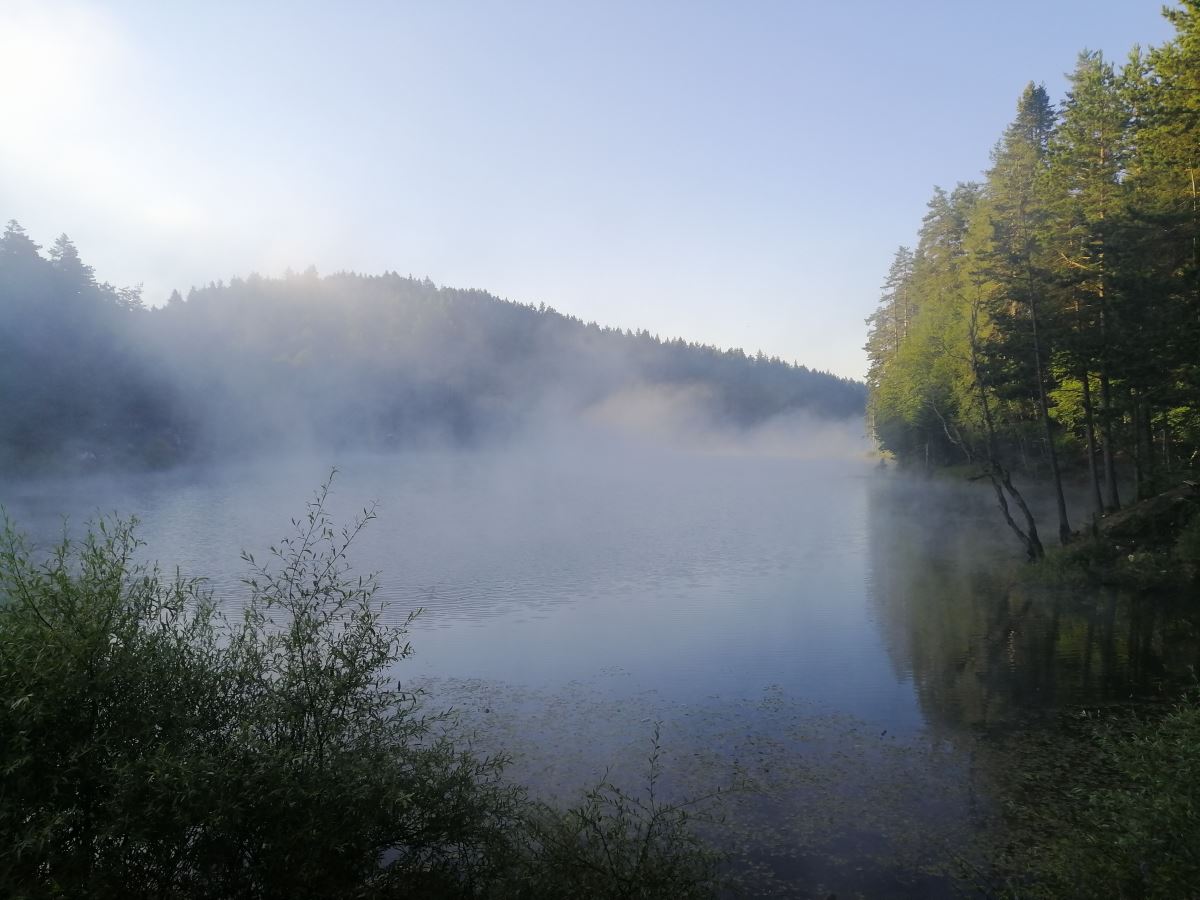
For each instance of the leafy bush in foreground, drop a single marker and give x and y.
(151, 747)
(1127, 823)
(614, 844)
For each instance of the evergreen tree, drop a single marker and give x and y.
(65, 260)
(1066, 315)
(16, 245)
(1013, 260)
(1087, 165)
(889, 323)
(1162, 281)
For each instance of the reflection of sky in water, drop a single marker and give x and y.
(831, 630)
(691, 574)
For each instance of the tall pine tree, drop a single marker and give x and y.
(1013, 259)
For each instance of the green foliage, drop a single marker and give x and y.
(1131, 827)
(616, 845)
(1152, 545)
(1052, 326)
(1084, 562)
(385, 361)
(1187, 547)
(110, 698)
(151, 747)
(918, 379)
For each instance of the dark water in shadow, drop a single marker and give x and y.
(841, 638)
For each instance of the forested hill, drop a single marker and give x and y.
(1049, 318)
(89, 373)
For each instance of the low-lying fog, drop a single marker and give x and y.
(787, 610)
(696, 564)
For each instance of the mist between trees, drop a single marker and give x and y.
(1048, 321)
(92, 376)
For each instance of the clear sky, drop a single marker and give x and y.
(737, 173)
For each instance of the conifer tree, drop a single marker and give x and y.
(1162, 319)
(1067, 314)
(1013, 258)
(65, 259)
(1087, 165)
(16, 244)
(889, 323)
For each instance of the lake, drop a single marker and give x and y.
(845, 640)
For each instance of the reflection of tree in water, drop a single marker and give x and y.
(984, 650)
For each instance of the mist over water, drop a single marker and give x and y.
(695, 540)
(700, 565)
(781, 606)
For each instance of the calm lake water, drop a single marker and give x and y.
(843, 638)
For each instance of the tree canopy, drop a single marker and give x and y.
(1048, 322)
(379, 361)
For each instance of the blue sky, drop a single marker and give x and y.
(737, 173)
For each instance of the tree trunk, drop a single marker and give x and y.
(1064, 527)
(1106, 410)
(1139, 452)
(1147, 436)
(1090, 429)
(996, 473)
(1034, 549)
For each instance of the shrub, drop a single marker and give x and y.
(1134, 832)
(1187, 547)
(110, 698)
(614, 844)
(151, 746)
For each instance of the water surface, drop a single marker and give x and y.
(839, 635)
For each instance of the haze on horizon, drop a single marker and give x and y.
(735, 175)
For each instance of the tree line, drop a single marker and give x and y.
(90, 372)
(1048, 320)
